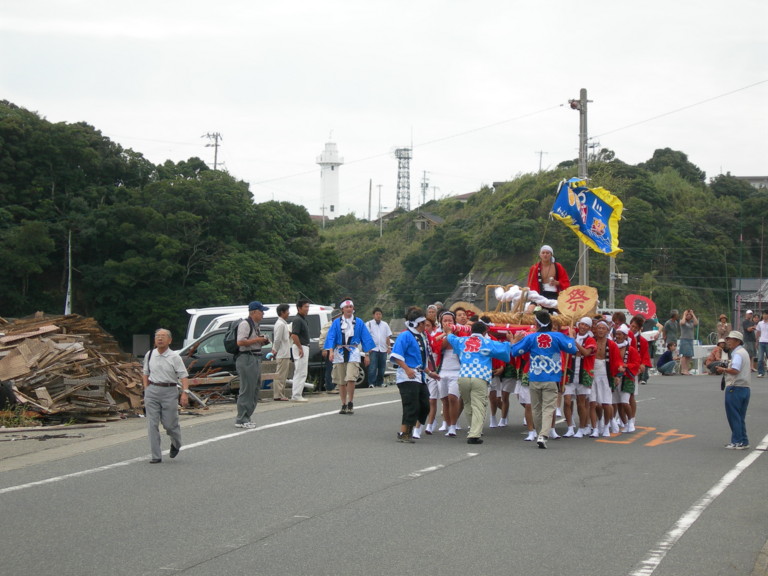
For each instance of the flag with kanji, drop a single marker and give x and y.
(592, 213)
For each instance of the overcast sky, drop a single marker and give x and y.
(480, 88)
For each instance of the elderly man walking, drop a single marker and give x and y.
(163, 370)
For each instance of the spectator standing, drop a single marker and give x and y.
(163, 369)
(380, 332)
(762, 344)
(345, 338)
(671, 330)
(328, 385)
(688, 324)
(723, 327)
(300, 350)
(248, 363)
(738, 376)
(281, 348)
(748, 329)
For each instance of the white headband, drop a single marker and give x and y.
(539, 322)
(346, 303)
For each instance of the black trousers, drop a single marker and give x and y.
(415, 398)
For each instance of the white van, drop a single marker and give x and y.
(203, 320)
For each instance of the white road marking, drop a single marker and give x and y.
(656, 555)
(187, 447)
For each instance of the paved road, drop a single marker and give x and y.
(312, 492)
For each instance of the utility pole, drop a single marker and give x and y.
(370, 191)
(424, 188)
(540, 153)
(381, 220)
(581, 106)
(215, 137)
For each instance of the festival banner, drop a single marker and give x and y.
(592, 213)
(640, 305)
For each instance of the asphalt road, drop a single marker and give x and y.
(312, 492)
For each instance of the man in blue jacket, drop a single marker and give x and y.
(345, 338)
(545, 370)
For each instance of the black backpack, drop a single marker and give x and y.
(230, 338)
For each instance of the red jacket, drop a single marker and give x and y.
(561, 276)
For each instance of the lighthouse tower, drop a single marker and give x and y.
(329, 162)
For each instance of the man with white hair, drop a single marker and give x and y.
(163, 370)
(738, 377)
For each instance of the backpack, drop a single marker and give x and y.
(230, 338)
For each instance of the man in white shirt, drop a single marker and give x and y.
(281, 348)
(380, 332)
(761, 332)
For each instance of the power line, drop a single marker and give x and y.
(676, 110)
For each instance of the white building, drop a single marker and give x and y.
(329, 162)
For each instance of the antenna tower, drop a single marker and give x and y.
(404, 156)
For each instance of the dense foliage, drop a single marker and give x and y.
(147, 241)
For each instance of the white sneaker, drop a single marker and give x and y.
(579, 433)
(607, 432)
(630, 426)
(558, 413)
(451, 431)
(503, 422)
(248, 425)
(614, 428)
(587, 430)
(569, 433)
(493, 423)
(531, 436)
(416, 433)
(595, 433)
(443, 427)
(299, 399)
(525, 422)
(553, 434)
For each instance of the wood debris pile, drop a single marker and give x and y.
(68, 365)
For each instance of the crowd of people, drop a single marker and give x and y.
(464, 364)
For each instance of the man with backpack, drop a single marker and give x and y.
(248, 362)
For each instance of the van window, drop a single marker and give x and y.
(201, 323)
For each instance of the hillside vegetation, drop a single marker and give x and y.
(149, 241)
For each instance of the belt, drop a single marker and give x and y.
(163, 384)
(252, 353)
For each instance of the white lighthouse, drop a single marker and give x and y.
(329, 162)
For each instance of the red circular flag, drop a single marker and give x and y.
(640, 305)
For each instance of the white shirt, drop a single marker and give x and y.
(282, 344)
(380, 332)
(762, 326)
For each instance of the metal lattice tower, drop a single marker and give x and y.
(403, 156)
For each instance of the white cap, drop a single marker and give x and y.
(749, 312)
(624, 329)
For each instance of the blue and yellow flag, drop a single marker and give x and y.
(592, 213)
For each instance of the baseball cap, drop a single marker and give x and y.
(256, 305)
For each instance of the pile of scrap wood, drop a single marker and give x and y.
(68, 366)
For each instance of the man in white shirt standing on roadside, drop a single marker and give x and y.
(380, 332)
(761, 332)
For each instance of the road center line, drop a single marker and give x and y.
(81, 473)
(656, 555)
